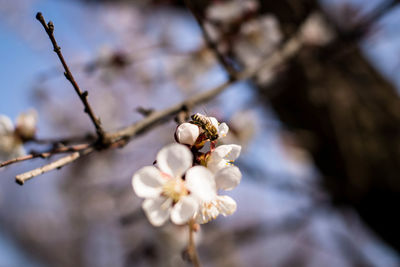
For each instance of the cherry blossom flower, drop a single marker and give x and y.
(202, 184)
(223, 156)
(164, 189)
(10, 143)
(178, 190)
(25, 124)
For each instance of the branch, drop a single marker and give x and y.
(121, 137)
(21, 178)
(210, 43)
(46, 154)
(289, 49)
(49, 28)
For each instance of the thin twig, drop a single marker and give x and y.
(46, 154)
(21, 178)
(210, 43)
(49, 28)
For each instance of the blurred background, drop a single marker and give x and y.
(320, 133)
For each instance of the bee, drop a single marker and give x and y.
(205, 123)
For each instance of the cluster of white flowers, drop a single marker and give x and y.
(12, 137)
(184, 183)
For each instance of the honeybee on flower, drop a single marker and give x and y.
(208, 128)
(185, 184)
(206, 124)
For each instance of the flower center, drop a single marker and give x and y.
(174, 189)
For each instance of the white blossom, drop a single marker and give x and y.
(222, 157)
(316, 30)
(10, 144)
(164, 189)
(26, 124)
(202, 185)
(245, 125)
(178, 190)
(230, 11)
(258, 39)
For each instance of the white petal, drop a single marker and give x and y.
(184, 210)
(208, 212)
(6, 125)
(235, 152)
(223, 129)
(214, 122)
(226, 205)
(228, 152)
(228, 178)
(187, 133)
(174, 159)
(200, 182)
(221, 151)
(147, 182)
(215, 163)
(157, 210)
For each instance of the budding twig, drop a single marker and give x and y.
(49, 28)
(21, 178)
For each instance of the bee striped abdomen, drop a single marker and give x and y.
(205, 123)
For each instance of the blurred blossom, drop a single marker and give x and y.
(243, 126)
(316, 30)
(25, 125)
(188, 70)
(230, 11)
(10, 143)
(258, 38)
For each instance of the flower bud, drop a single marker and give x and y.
(26, 124)
(6, 125)
(187, 133)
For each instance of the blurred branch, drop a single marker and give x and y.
(210, 43)
(65, 141)
(21, 178)
(49, 28)
(279, 57)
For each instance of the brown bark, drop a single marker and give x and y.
(348, 116)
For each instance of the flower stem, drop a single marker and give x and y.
(191, 246)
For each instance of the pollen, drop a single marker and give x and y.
(174, 189)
